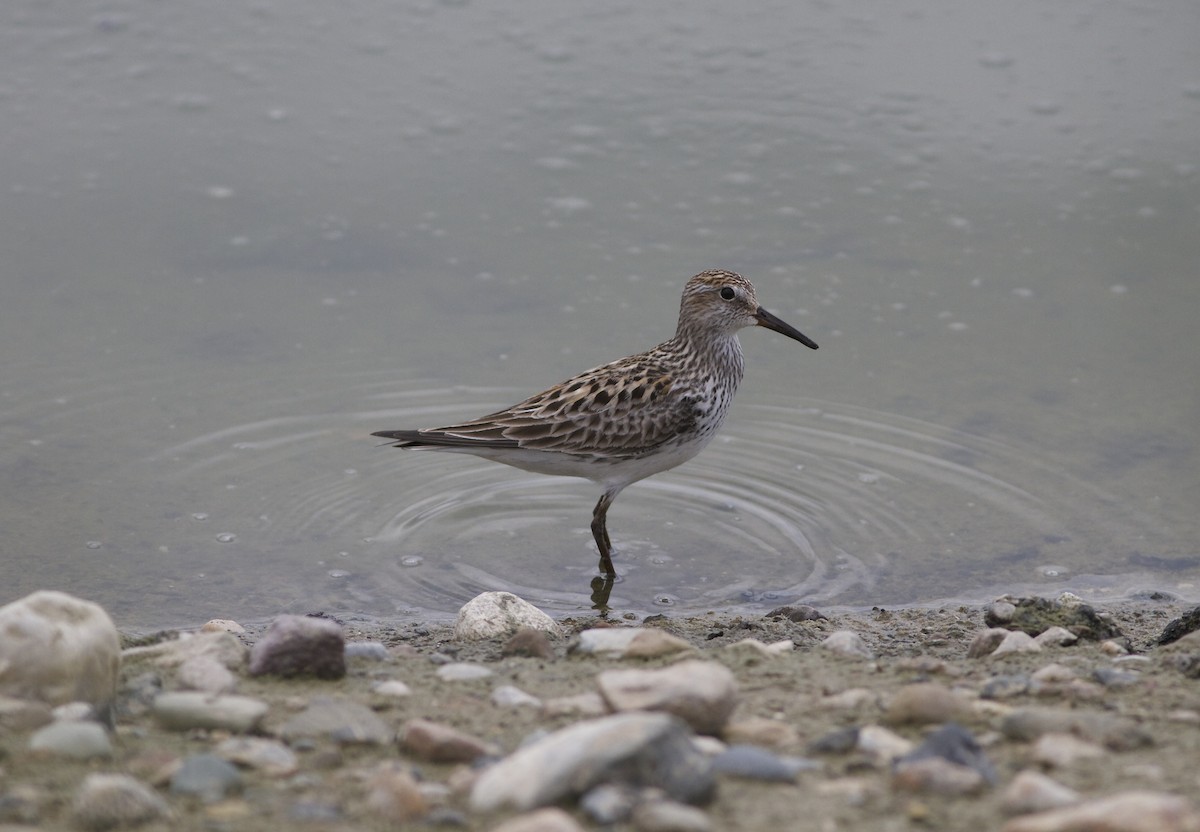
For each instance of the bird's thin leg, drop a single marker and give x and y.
(600, 532)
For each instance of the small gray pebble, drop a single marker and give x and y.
(206, 776)
(1003, 687)
(1111, 677)
(756, 763)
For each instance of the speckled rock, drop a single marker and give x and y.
(494, 614)
(57, 648)
(297, 645)
(113, 801)
(701, 693)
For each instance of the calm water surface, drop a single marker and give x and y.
(235, 242)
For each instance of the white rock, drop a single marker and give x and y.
(881, 744)
(630, 642)
(220, 645)
(182, 711)
(205, 673)
(81, 740)
(462, 672)
(1055, 637)
(391, 687)
(701, 693)
(571, 760)
(1054, 674)
(848, 643)
(1133, 811)
(217, 625)
(1032, 791)
(756, 647)
(493, 614)
(509, 696)
(669, 816)
(1017, 642)
(108, 801)
(58, 648)
(848, 699)
(269, 756)
(1061, 750)
(543, 820)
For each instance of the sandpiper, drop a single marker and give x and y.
(621, 422)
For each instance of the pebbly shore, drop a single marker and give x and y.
(1023, 715)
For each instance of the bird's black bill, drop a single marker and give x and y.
(768, 320)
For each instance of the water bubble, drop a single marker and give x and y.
(93, 544)
(1053, 571)
(411, 560)
(338, 573)
(665, 600)
(226, 537)
(200, 515)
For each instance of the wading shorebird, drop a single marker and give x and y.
(622, 422)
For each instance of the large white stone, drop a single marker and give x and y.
(57, 648)
(494, 614)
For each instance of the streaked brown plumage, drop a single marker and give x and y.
(622, 422)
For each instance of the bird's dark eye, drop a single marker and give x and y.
(727, 293)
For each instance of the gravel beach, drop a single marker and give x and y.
(1021, 715)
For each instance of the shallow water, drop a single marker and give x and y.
(234, 246)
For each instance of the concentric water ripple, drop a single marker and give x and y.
(300, 509)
